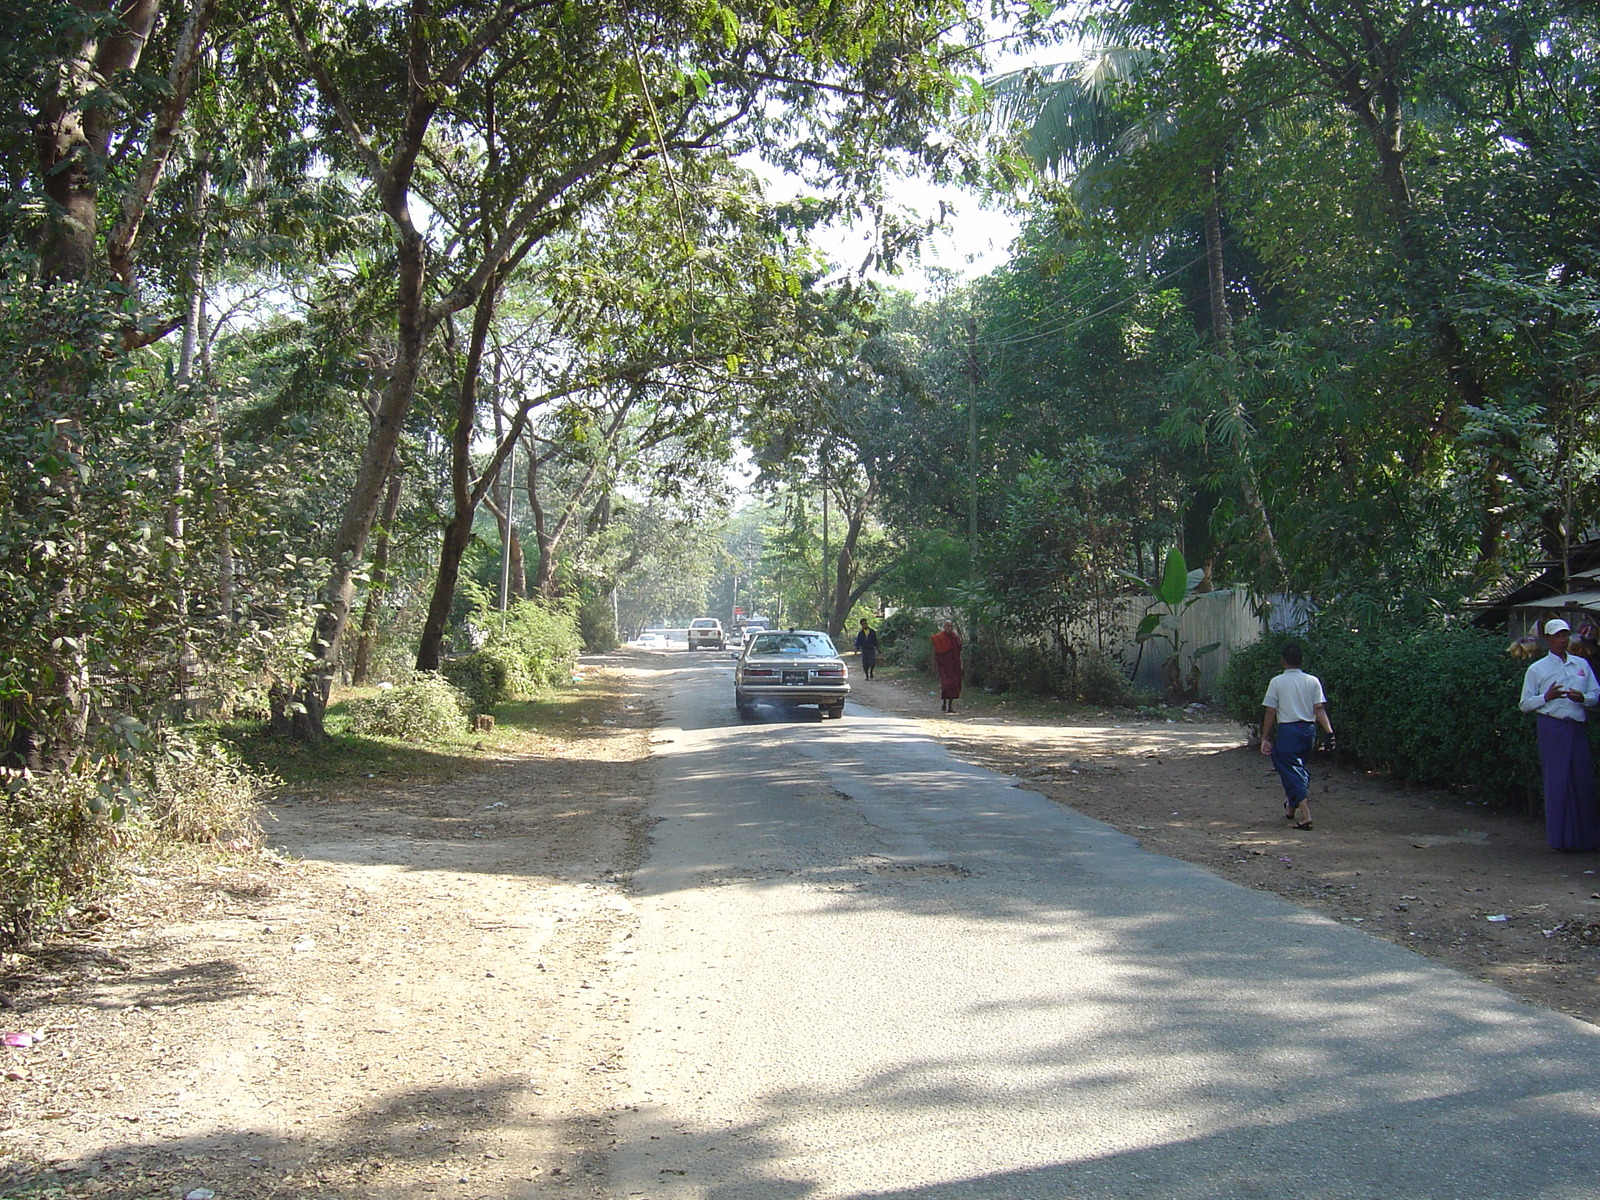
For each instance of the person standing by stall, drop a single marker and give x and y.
(1560, 688)
(947, 659)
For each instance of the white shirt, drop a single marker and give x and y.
(1573, 672)
(1295, 695)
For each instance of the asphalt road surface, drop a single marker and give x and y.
(865, 969)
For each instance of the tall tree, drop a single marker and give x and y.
(587, 98)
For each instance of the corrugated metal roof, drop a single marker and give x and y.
(1569, 600)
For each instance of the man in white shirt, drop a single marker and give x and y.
(1560, 687)
(1294, 708)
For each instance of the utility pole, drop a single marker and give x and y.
(972, 450)
(827, 598)
(505, 547)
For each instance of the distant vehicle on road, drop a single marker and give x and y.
(707, 632)
(791, 667)
(650, 641)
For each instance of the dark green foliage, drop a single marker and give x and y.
(597, 624)
(903, 640)
(1430, 705)
(1101, 679)
(424, 708)
(538, 645)
(484, 677)
(116, 502)
(54, 852)
(1244, 680)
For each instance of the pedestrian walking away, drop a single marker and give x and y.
(947, 659)
(867, 647)
(1560, 688)
(1295, 707)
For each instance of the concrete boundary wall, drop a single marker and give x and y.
(1225, 616)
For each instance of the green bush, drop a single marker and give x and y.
(526, 650)
(1101, 679)
(999, 664)
(484, 677)
(54, 852)
(596, 622)
(539, 645)
(1429, 705)
(424, 708)
(903, 640)
(1243, 681)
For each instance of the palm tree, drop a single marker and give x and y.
(1079, 128)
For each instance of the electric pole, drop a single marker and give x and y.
(972, 450)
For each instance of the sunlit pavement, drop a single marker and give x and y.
(865, 969)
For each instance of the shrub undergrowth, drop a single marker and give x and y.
(54, 852)
(201, 795)
(423, 708)
(903, 640)
(526, 651)
(1429, 705)
(62, 840)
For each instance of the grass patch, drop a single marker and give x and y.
(568, 712)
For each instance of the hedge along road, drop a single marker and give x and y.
(867, 969)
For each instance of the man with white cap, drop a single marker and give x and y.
(1559, 687)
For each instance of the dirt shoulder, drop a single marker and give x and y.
(1429, 870)
(410, 995)
(415, 993)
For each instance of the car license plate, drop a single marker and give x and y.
(794, 676)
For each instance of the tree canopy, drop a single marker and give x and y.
(317, 321)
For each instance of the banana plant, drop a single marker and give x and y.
(1173, 594)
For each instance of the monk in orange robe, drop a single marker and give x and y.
(947, 658)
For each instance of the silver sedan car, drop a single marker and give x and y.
(789, 667)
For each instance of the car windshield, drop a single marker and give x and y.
(703, 624)
(814, 644)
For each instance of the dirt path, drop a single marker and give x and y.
(1429, 870)
(412, 998)
(417, 996)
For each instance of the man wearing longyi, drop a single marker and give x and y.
(1561, 688)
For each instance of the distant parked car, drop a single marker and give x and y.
(706, 632)
(789, 667)
(650, 641)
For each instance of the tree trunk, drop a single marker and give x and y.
(71, 137)
(378, 580)
(516, 569)
(845, 573)
(1216, 272)
(349, 544)
(219, 461)
(464, 497)
(452, 547)
(544, 563)
(122, 246)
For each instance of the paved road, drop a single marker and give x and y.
(868, 970)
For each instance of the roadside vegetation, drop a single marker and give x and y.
(427, 364)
